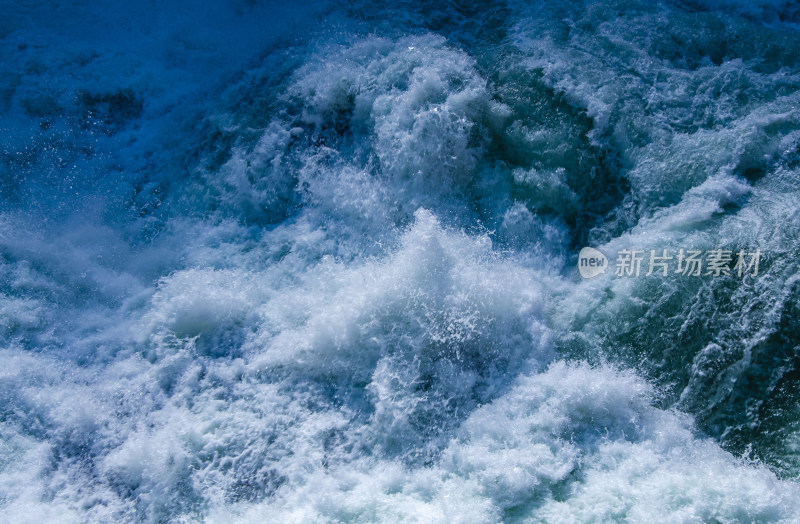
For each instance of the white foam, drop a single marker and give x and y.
(313, 320)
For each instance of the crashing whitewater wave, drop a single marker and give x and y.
(335, 280)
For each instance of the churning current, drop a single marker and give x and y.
(319, 263)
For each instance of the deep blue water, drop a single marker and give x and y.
(263, 262)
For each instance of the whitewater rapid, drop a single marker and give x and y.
(262, 262)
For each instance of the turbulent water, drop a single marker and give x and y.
(263, 262)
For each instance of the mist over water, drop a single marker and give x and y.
(263, 262)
